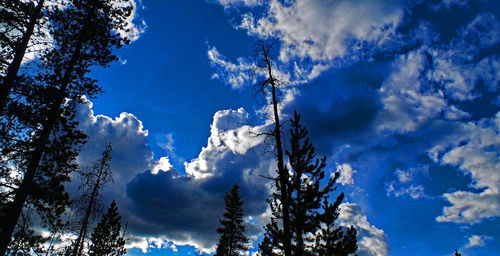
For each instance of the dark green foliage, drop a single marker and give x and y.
(312, 226)
(232, 240)
(457, 254)
(108, 237)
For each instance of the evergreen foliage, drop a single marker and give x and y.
(39, 135)
(232, 240)
(108, 239)
(312, 226)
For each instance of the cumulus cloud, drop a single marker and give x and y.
(131, 154)
(228, 137)
(346, 173)
(186, 208)
(371, 240)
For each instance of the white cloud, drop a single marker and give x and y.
(135, 25)
(407, 103)
(131, 154)
(163, 164)
(404, 176)
(474, 150)
(474, 241)
(324, 30)
(228, 135)
(233, 3)
(414, 191)
(371, 240)
(233, 74)
(346, 173)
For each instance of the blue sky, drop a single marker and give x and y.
(401, 96)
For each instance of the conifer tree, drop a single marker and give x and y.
(108, 238)
(306, 195)
(333, 239)
(232, 230)
(18, 22)
(84, 33)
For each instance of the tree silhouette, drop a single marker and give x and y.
(84, 32)
(16, 18)
(271, 86)
(232, 240)
(93, 181)
(313, 230)
(108, 237)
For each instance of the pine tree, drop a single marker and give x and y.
(18, 22)
(232, 240)
(108, 237)
(84, 33)
(306, 196)
(333, 239)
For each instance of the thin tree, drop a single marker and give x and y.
(108, 237)
(271, 86)
(85, 32)
(232, 241)
(94, 180)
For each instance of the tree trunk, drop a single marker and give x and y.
(19, 52)
(77, 250)
(14, 208)
(281, 167)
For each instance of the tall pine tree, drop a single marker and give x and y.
(306, 196)
(108, 238)
(85, 33)
(232, 241)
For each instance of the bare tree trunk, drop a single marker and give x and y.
(19, 52)
(279, 151)
(78, 247)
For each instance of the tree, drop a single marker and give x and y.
(108, 237)
(270, 86)
(313, 229)
(93, 181)
(457, 254)
(232, 240)
(333, 239)
(18, 20)
(85, 33)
